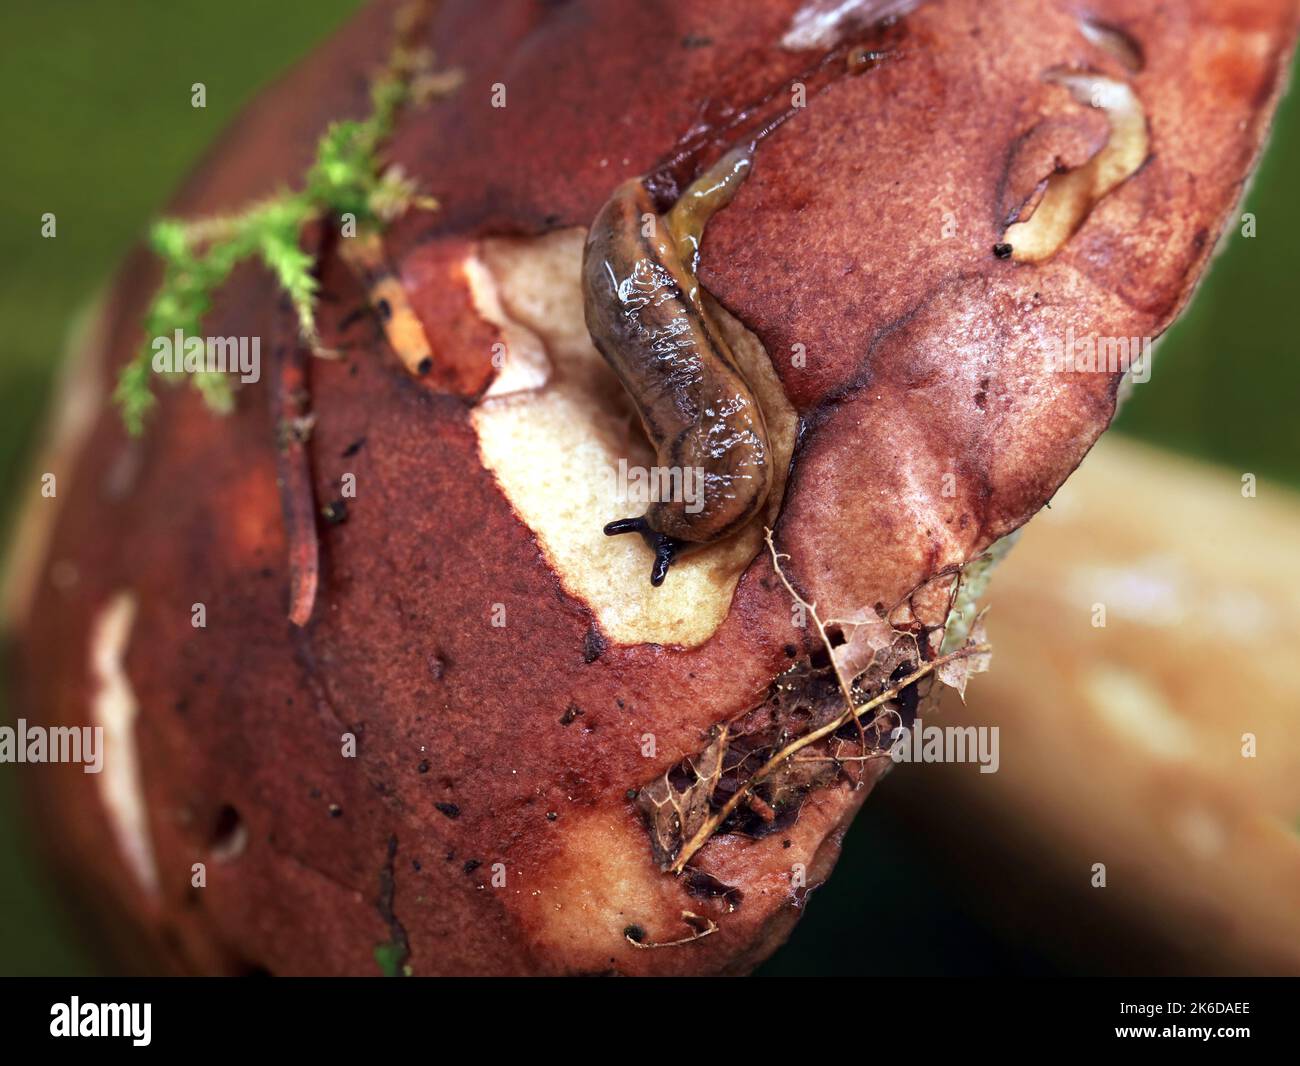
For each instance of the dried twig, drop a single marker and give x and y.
(846, 685)
(702, 926)
(852, 713)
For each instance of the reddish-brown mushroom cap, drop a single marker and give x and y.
(485, 825)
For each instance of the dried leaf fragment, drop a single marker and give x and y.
(956, 672)
(678, 803)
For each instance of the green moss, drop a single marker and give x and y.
(347, 177)
(390, 958)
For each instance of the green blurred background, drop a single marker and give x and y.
(98, 128)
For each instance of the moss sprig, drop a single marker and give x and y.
(347, 177)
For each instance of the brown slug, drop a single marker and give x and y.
(645, 314)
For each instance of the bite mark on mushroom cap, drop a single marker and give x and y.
(114, 708)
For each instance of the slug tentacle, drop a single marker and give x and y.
(664, 547)
(645, 312)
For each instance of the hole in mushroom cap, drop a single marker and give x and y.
(229, 835)
(1069, 197)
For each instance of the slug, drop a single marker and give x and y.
(644, 312)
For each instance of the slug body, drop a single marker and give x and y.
(645, 314)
